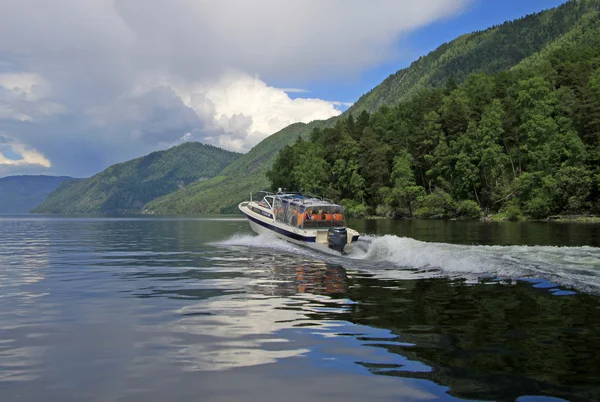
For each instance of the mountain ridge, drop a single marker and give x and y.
(125, 187)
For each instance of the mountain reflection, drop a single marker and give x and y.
(485, 341)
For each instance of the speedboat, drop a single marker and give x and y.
(301, 219)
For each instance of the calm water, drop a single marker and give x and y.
(182, 309)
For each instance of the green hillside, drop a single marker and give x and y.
(222, 193)
(490, 51)
(126, 187)
(521, 142)
(20, 194)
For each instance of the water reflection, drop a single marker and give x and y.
(234, 315)
(233, 333)
(24, 260)
(297, 277)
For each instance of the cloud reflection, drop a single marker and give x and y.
(232, 330)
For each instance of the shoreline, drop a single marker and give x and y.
(501, 218)
(483, 219)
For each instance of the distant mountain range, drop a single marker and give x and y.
(194, 178)
(127, 187)
(20, 194)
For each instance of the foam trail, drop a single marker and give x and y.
(578, 267)
(393, 257)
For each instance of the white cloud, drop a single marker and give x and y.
(25, 85)
(27, 156)
(94, 82)
(248, 110)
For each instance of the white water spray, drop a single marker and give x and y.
(395, 257)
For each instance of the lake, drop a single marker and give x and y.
(200, 308)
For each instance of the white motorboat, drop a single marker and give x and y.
(300, 219)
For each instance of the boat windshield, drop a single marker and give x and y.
(308, 216)
(266, 202)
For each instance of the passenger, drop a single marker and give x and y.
(300, 218)
(337, 215)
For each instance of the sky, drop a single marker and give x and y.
(86, 84)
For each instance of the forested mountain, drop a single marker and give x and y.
(525, 141)
(23, 193)
(126, 187)
(490, 51)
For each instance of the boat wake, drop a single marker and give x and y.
(393, 257)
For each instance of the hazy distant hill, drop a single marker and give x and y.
(23, 193)
(126, 187)
(490, 51)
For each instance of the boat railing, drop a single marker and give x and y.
(258, 194)
(264, 192)
(307, 200)
(319, 198)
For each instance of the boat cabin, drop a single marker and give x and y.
(307, 212)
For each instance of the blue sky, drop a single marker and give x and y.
(87, 84)
(480, 15)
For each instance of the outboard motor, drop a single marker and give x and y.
(337, 238)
